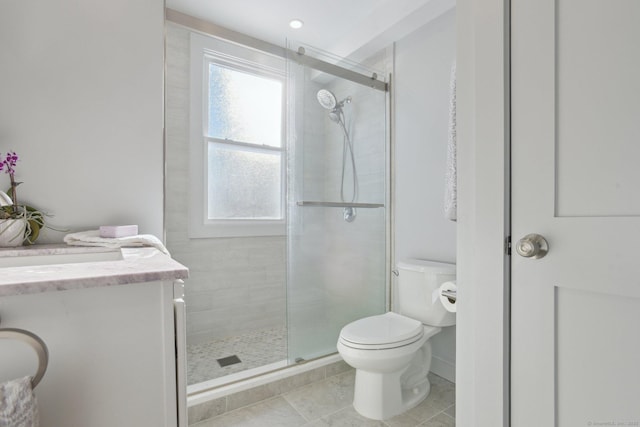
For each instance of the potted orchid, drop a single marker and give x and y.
(18, 223)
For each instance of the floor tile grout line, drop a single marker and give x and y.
(453, 418)
(449, 407)
(282, 394)
(296, 409)
(315, 419)
(245, 407)
(333, 413)
(436, 414)
(317, 382)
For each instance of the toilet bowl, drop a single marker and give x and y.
(392, 355)
(391, 352)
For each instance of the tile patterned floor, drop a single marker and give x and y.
(255, 349)
(329, 403)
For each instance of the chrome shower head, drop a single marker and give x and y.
(327, 99)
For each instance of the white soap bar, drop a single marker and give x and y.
(113, 231)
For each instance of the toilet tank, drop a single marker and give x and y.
(417, 291)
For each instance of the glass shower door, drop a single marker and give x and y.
(337, 224)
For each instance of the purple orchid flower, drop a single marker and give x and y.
(9, 166)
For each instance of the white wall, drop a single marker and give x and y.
(81, 104)
(422, 77)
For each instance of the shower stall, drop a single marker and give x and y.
(258, 304)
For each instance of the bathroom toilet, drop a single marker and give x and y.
(391, 352)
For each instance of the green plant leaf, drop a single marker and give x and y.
(35, 231)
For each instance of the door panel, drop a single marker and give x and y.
(575, 148)
(596, 360)
(597, 89)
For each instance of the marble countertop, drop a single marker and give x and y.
(62, 267)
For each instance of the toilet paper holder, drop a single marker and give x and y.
(450, 294)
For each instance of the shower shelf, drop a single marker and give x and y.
(340, 204)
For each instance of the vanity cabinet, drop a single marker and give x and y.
(112, 352)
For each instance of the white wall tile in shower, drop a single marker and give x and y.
(236, 284)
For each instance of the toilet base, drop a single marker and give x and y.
(381, 396)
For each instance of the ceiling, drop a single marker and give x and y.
(347, 28)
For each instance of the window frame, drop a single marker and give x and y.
(203, 51)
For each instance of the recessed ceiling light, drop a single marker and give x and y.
(296, 24)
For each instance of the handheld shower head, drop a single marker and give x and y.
(327, 99)
(329, 102)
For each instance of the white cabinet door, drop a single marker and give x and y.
(576, 181)
(111, 354)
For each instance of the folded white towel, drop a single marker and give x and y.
(18, 405)
(92, 238)
(451, 179)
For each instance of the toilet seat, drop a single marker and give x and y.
(389, 330)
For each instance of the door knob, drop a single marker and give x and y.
(532, 246)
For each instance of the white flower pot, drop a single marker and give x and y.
(12, 232)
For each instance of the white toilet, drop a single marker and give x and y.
(391, 352)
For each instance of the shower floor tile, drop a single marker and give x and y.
(254, 349)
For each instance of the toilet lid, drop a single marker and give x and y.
(388, 328)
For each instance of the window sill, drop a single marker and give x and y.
(237, 228)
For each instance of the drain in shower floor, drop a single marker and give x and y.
(229, 360)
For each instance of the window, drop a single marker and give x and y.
(237, 141)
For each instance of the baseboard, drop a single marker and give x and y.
(443, 368)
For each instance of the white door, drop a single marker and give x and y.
(576, 181)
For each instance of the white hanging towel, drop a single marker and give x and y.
(451, 178)
(18, 405)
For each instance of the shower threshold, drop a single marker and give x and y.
(251, 378)
(234, 378)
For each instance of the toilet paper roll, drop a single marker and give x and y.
(449, 305)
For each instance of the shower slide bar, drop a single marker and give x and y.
(34, 342)
(340, 204)
(215, 30)
(335, 70)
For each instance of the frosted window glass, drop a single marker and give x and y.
(244, 107)
(244, 184)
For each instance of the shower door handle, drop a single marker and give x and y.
(304, 203)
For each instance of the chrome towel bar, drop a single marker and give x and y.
(34, 342)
